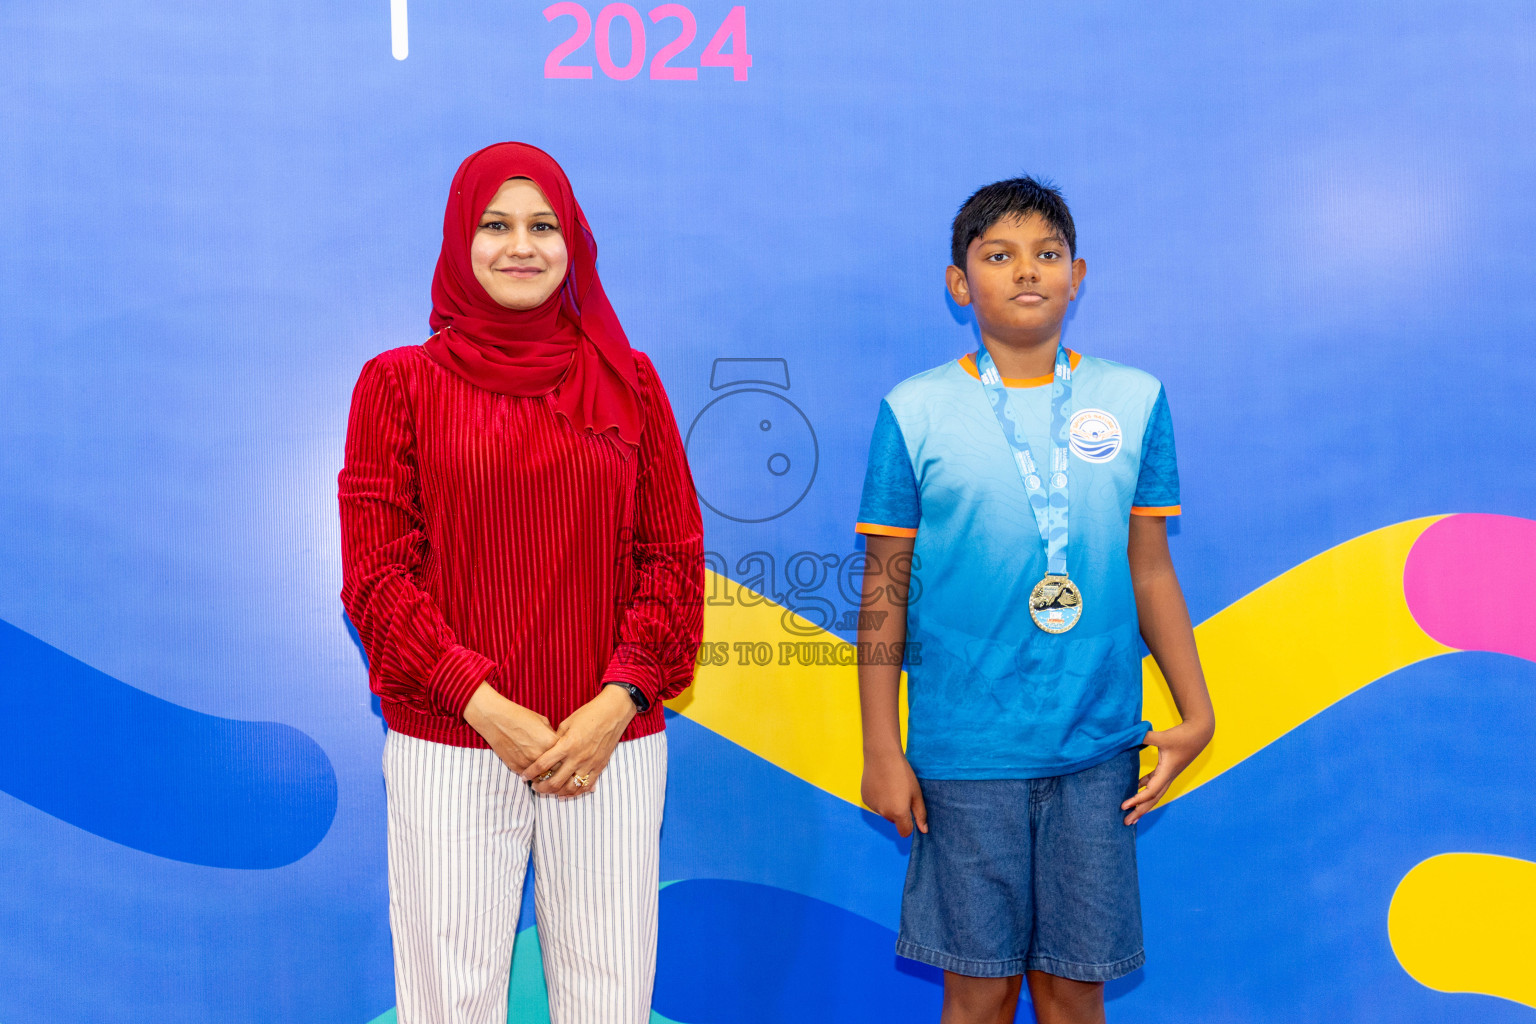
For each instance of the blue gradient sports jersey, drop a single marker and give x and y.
(991, 695)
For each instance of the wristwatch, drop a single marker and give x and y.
(641, 704)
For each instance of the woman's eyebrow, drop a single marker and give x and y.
(550, 214)
(498, 213)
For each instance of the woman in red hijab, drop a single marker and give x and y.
(523, 560)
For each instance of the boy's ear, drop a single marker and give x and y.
(959, 287)
(1079, 271)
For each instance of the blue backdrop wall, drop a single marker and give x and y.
(1311, 220)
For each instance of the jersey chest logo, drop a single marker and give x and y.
(1094, 435)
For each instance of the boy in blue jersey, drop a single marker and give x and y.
(1015, 517)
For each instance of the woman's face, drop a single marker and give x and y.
(518, 251)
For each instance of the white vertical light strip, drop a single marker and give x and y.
(399, 33)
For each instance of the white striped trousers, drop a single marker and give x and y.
(461, 826)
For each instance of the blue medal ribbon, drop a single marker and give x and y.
(1048, 493)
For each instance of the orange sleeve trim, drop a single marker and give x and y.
(885, 531)
(1157, 510)
(968, 364)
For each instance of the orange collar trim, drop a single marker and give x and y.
(968, 364)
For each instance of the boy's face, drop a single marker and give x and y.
(1020, 277)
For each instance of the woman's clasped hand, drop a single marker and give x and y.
(564, 761)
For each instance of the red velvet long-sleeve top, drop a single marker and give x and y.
(486, 540)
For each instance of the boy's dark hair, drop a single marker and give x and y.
(1016, 197)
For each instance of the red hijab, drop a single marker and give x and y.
(572, 345)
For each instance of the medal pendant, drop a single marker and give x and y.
(1055, 604)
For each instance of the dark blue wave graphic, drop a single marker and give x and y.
(740, 953)
(95, 752)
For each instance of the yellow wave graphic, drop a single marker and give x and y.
(1461, 922)
(1297, 645)
(1273, 659)
(802, 717)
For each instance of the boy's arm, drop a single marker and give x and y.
(1165, 627)
(889, 787)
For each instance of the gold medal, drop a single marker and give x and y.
(1055, 604)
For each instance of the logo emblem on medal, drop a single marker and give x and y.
(1055, 604)
(1094, 435)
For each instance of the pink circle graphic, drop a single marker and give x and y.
(1470, 582)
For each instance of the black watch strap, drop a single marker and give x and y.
(641, 704)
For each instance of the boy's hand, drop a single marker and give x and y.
(1176, 747)
(890, 789)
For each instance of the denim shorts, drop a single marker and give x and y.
(1020, 875)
